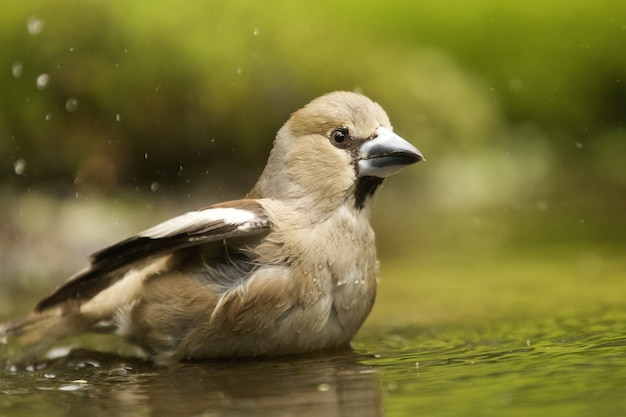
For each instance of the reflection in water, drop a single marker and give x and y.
(311, 386)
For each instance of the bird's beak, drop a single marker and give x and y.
(386, 154)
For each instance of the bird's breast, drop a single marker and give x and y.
(338, 264)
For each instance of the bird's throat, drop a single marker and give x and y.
(365, 187)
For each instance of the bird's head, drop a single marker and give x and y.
(338, 148)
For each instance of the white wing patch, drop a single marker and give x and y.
(195, 219)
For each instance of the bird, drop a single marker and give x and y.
(291, 268)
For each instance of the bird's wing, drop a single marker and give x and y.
(235, 219)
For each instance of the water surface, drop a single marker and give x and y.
(570, 365)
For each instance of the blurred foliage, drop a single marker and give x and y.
(114, 94)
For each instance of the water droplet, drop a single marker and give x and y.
(48, 117)
(145, 155)
(239, 71)
(323, 387)
(72, 49)
(579, 145)
(42, 81)
(118, 117)
(19, 166)
(72, 387)
(256, 32)
(71, 104)
(17, 69)
(154, 186)
(35, 25)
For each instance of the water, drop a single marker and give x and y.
(566, 366)
(573, 366)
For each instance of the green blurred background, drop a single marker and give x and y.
(116, 115)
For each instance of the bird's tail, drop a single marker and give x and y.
(25, 339)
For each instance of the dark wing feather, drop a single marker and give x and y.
(237, 219)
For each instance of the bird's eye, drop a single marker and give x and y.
(339, 137)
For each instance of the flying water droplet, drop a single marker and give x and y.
(35, 25)
(19, 166)
(71, 104)
(42, 81)
(17, 69)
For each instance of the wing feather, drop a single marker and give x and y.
(237, 219)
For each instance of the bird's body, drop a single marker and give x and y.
(289, 269)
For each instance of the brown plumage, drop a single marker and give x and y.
(289, 269)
